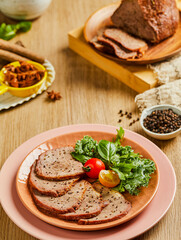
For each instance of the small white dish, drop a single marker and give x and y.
(160, 136)
(24, 9)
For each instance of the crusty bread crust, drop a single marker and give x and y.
(54, 193)
(55, 211)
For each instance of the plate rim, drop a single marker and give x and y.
(53, 132)
(138, 61)
(85, 227)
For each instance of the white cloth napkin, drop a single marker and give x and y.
(167, 71)
(169, 93)
(168, 74)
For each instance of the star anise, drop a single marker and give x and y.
(52, 95)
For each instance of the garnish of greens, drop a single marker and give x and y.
(133, 170)
(8, 31)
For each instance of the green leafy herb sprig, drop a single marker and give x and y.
(8, 31)
(133, 170)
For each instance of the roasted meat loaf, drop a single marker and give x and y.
(69, 202)
(58, 164)
(147, 19)
(49, 188)
(91, 205)
(118, 206)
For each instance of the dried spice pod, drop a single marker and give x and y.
(52, 95)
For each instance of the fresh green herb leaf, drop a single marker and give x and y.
(81, 158)
(106, 149)
(133, 170)
(119, 188)
(24, 26)
(119, 136)
(120, 174)
(87, 146)
(8, 31)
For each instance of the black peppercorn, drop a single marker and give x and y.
(162, 121)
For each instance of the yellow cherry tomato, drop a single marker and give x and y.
(109, 178)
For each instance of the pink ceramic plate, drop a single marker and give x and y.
(34, 226)
(138, 203)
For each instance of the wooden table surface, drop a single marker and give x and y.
(89, 95)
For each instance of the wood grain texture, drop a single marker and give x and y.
(179, 4)
(89, 96)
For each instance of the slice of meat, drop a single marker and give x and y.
(126, 40)
(69, 202)
(58, 164)
(100, 47)
(91, 206)
(148, 19)
(47, 187)
(118, 206)
(118, 50)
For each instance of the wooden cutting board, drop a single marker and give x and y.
(179, 4)
(139, 78)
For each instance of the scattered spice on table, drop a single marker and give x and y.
(52, 95)
(128, 115)
(134, 121)
(24, 75)
(162, 121)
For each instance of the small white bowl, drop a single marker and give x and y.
(161, 136)
(23, 9)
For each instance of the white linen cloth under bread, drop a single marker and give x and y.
(167, 71)
(169, 93)
(168, 74)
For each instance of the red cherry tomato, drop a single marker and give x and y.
(93, 166)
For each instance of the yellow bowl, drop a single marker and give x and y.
(21, 92)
